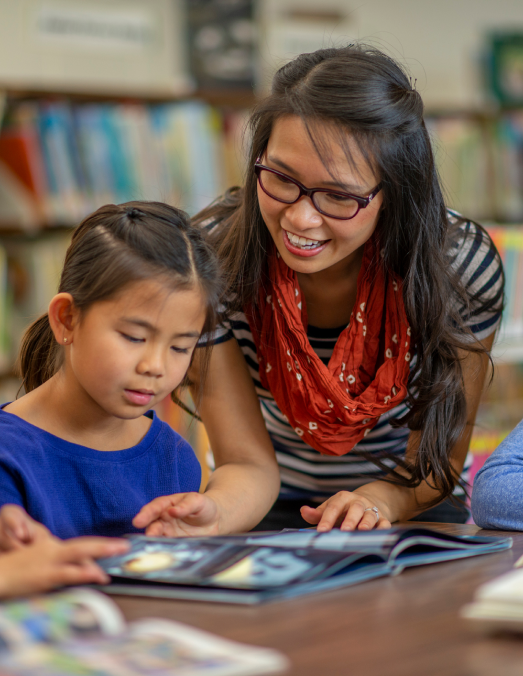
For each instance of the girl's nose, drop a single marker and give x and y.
(152, 364)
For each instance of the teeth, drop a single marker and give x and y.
(303, 242)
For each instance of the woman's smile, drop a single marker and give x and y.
(303, 246)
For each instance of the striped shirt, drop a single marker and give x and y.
(307, 474)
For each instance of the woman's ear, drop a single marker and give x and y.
(63, 317)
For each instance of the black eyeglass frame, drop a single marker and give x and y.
(362, 202)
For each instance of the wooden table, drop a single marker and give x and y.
(396, 626)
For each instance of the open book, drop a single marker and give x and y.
(258, 567)
(498, 604)
(83, 632)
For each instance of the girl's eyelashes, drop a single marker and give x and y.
(180, 350)
(132, 339)
(174, 348)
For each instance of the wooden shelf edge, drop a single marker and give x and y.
(235, 98)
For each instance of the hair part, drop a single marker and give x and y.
(112, 248)
(368, 98)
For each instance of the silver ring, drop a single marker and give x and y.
(375, 510)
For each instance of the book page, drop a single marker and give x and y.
(230, 562)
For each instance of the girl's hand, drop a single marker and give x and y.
(18, 529)
(346, 510)
(52, 563)
(181, 514)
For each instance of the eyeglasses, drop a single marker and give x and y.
(283, 188)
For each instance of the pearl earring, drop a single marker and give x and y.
(65, 340)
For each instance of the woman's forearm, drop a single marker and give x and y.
(244, 493)
(399, 503)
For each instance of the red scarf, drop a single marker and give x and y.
(333, 407)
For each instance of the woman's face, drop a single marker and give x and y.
(290, 151)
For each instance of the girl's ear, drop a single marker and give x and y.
(63, 317)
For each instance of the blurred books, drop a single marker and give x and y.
(497, 605)
(81, 631)
(67, 160)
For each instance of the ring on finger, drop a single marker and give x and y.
(375, 510)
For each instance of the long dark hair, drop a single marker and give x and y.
(361, 91)
(112, 247)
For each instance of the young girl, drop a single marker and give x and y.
(81, 452)
(363, 309)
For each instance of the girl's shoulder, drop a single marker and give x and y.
(16, 435)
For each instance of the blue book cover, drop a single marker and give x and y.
(63, 165)
(95, 150)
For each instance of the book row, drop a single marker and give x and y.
(480, 161)
(59, 161)
(509, 243)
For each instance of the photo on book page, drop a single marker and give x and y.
(228, 563)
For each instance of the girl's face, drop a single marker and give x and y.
(129, 352)
(290, 151)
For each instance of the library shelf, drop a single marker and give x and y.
(227, 98)
(508, 351)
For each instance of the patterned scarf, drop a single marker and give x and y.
(333, 407)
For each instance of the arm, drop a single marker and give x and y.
(246, 480)
(497, 496)
(52, 563)
(18, 529)
(397, 503)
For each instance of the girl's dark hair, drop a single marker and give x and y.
(359, 90)
(112, 247)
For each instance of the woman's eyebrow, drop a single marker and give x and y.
(150, 327)
(351, 187)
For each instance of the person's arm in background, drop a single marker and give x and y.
(246, 480)
(497, 495)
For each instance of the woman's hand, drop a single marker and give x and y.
(181, 514)
(348, 511)
(18, 529)
(51, 563)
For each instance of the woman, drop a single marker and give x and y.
(363, 310)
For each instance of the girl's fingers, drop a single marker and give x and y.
(153, 510)
(14, 524)
(89, 572)
(155, 529)
(80, 549)
(191, 505)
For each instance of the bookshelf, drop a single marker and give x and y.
(65, 152)
(479, 152)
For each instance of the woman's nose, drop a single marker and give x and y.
(303, 214)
